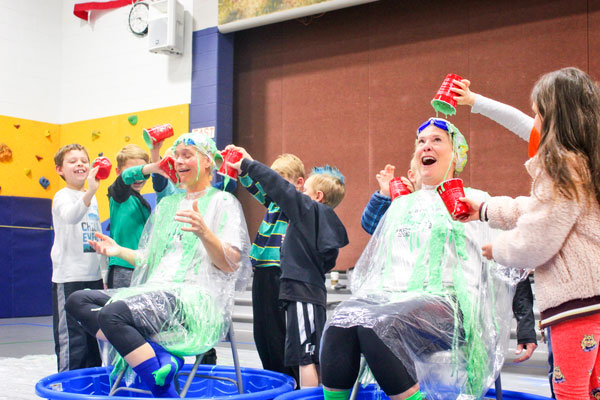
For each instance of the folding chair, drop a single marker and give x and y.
(192, 373)
(363, 367)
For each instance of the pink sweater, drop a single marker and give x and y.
(558, 237)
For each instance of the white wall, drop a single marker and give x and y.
(206, 14)
(107, 70)
(57, 68)
(30, 45)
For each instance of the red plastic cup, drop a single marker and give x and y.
(450, 191)
(444, 101)
(398, 188)
(104, 166)
(157, 134)
(231, 156)
(167, 164)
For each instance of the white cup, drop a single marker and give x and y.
(335, 277)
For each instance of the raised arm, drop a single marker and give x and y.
(255, 190)
(509, 117)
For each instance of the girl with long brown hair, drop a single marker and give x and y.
(556, 229)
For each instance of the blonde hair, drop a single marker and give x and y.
(129, 152)
(289, 166)
(330, 181)
(414, 164)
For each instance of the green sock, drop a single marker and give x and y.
(336, 394)
(416, 396)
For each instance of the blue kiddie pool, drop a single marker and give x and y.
(371, 392)
(93, 383)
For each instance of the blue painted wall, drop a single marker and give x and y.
(212, 83)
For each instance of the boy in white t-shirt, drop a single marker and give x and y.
(75, 264)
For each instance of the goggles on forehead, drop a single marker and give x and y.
(438, 123)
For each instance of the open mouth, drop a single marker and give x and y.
(80, 171)
(428, 160)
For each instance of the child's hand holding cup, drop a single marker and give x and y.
(237, 165)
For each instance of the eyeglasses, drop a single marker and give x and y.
(438, 123)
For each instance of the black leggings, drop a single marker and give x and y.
(340, 360)
(115, 319)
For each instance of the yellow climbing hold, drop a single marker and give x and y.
(95, 135)
(27, 171)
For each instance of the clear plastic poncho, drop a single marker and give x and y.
(425, 289)
(177, 296)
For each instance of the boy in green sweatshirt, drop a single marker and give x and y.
(128, 208)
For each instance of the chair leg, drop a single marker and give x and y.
(190, 377)
(117, 382)
(361, 371)
(236, 360)
(498, 385)
(192, 374)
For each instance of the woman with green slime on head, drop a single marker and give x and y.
(428, 312)
(193, 251)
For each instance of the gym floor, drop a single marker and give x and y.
(27, 355)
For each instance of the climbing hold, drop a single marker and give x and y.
(47, 133)
(127, 138)
(17, 126)
(95, 135)
(133, 119)
(39, 158)
(5, 152)
(100, 154)
(28, 171)
(44, 182)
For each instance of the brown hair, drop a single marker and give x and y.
(289, 166)
(330, 181)
(568, 103)
(131, 151)
(59, 157)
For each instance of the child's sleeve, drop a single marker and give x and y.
(375, 209)
(68, 210)
(255, 190)
(292, 203)
(504, 212)
(539, 232)
(120, 190)
(159, 182)
(509, 117)
(220, 184)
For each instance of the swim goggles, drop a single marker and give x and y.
(438, 123)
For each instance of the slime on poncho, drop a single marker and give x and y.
(419, 254)
(173, 264)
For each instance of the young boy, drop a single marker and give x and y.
(309, 250)
(75, 265)
(380, 200)
(129, 211)
(269, 317)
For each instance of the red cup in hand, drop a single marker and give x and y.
(167, 164)
(444, 101)
(450, 191)
(157, 134)
(104, 165)
(231, 156)
(398, 188)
